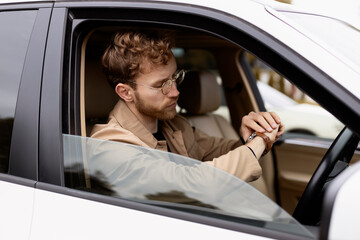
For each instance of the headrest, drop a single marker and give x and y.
(199, 92)
(100, 98)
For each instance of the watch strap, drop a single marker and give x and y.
(267, 140)
(268, 143)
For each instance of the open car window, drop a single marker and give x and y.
(169, 180)
(299, 113)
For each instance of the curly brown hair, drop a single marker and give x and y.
(124, 58)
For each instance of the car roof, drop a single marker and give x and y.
(266, 16)
(23, 1)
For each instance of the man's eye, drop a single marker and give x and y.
(159, 85)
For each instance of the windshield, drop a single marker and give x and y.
(339, 35)
(169, 180)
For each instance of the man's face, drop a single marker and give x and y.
(152, 103)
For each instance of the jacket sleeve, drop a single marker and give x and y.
(239, 162)
(229, 155)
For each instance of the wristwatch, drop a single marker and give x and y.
(267, 140)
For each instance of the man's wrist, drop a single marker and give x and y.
(266, 140)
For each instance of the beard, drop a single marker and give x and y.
(161, 113)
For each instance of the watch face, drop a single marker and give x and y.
(251, 137)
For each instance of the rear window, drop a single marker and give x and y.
(15, 28)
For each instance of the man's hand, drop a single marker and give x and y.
(263, 122)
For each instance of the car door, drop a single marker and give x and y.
(65, 79)
(309, 129)
(131, 187)
(72, 28)
(22, 42)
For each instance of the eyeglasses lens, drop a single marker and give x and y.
(179, 77)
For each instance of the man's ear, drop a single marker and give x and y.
(125, 92)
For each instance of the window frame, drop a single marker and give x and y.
(15, 42)
(26, 120)
(67, 59)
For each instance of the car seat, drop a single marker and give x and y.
(200, 96)
(100, 98)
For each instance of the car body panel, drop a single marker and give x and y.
(293, 18)
(52, 68)
(342, 199)
(75, 219)
(344, 223)
(261, 16)
(17, 205)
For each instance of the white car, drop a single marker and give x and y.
(300, 117)
(58, 183)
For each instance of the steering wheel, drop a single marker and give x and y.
(335, 160)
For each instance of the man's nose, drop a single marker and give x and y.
(173, 91)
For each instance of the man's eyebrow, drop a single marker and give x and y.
(167, 78)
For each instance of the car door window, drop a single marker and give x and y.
(309, 131)
(168, 180)
(299, 113)
(15, 28)
(144, 175)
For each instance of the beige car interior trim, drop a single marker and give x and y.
(82, 104)
(267, 180)
(241, 103)
(297, 161)
(325, 144)
(82, 85)
(296, 164)
(247, 85)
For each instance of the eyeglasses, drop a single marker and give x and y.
(166, 86)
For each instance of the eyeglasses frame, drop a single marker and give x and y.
(170, 82)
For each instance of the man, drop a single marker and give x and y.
(142, 69)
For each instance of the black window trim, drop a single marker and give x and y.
(23, 160)
(50, 138)
(17, 180)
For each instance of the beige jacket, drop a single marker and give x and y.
(183, 139)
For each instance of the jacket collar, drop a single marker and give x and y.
(127, 119)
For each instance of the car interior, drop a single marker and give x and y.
(218, 76)
(200, 91)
